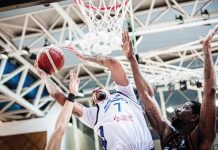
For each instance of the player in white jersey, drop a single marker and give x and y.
(117, 118)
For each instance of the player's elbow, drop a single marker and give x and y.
(113, 62)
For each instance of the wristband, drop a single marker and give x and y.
(71, 97)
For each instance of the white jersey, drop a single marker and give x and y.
(119, 121)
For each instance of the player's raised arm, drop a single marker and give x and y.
(114, 65)
(207, 123)
(54, 142)
(64, 116)
(74, 82)
(145, 90)
(141, 83)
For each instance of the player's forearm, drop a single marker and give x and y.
(65, 115)
(146, 93)
(55, 91)
(51, 86)
(95, 59)
(141, 84)
(209, 71)
(208, 107)
(54, 142)
(154, 115)
(105, 61)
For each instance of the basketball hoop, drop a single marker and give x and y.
(105, 22)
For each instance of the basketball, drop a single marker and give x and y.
(51, 59)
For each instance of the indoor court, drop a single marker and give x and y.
(166, 38)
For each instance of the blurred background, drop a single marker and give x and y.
(166, 36)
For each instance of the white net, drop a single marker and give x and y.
(105, 22)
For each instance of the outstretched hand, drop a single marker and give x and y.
(206, 41)
(74, 83)
(127, 45)
(75, 51)
(40, 72)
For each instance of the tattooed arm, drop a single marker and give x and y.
(117, 70)
(146, 93)
(207, 126)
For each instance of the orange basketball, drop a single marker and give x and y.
(51, 59)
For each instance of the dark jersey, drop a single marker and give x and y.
(176, 141)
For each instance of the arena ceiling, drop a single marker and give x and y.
(169, 52)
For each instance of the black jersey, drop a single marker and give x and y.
(176, 141)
